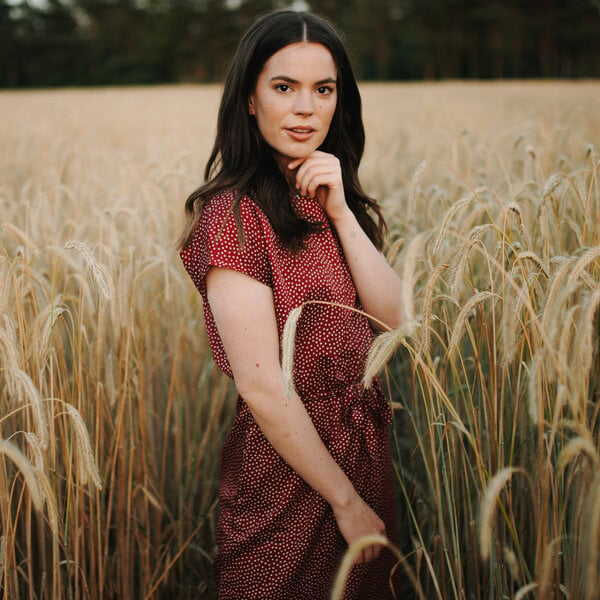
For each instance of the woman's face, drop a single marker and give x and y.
(295, 99)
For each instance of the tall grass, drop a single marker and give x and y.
(112, 412)
(497, 387)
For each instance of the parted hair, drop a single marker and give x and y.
(243, 162)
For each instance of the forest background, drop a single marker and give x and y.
(100, 42)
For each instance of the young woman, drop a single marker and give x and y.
(281, 221)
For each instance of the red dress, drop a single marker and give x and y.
(277, 538)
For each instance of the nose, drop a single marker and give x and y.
(304, 104)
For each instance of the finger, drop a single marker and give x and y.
(303, 162)
(313, 179)
(325, 162)
(376, 551)
(295, 163)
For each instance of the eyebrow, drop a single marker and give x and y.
(294, 81)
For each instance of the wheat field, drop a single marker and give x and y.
(112, 412)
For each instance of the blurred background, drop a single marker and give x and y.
(108, 42)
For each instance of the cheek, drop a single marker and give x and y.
(327, 113)
(271, 110)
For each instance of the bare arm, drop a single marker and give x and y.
(379, 287)
(244, 313)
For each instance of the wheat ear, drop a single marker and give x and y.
(458, 330)
(486, 512)
(87, 469)
(99, 273)
(20, 460)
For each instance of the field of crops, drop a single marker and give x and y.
(112, 412)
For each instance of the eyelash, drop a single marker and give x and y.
(323, 89)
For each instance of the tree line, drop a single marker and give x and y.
(102, 42)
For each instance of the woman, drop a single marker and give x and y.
(281, 221)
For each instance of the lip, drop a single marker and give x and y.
(300, 134)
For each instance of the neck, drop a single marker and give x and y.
(290, 175)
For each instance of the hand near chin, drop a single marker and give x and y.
(319, 176)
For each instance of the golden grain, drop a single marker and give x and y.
(87, 468)
(99, 273)
(583, 348)
(524, 590)
(459, 326)
(383, 348)
(50, 501)
(350, 556)
(512, 323)
(460, 255)
(512, 563)
(138, 368)
(534, 393)
(33, 441)
(287, 349)
(576, 447)
(12, 452)
(487, 508)
(427, 307)
(450, 214)
(409, 260)
(28, 393)
(583, 262)
(414, 190)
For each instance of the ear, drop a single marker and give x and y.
(251, 104)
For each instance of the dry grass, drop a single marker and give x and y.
(112, 412)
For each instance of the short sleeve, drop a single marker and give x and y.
(218, 242)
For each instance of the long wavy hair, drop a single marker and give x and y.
(243, 162)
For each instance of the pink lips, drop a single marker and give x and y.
(300, 134)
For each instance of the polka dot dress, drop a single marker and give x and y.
(277, 538)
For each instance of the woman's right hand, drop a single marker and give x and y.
(355, 520)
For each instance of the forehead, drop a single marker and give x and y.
(301, 61)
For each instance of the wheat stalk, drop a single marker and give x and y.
(583, 350)
(461, 319)
(413, 191)
(87, 468)
(48, 316)
(382, 349)
(26, 391)
(450, 213)
(99, 273)
(486, 511)
(289, 336)
(591, 540)
(460, 255)
(575, 447)
(288, 340)
(512, 563)
(49, 499)
(11, 451)
(583, 262)
(512, 325)
(428, 306)
(524, 590)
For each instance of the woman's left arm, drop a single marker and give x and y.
(378, 285)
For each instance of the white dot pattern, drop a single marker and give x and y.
(277, 538)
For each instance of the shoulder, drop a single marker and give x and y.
(226, 204)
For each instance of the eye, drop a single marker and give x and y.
(325, 90)
(282, 87)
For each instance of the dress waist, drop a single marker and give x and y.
(358, 404)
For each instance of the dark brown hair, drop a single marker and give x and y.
(242, 161)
